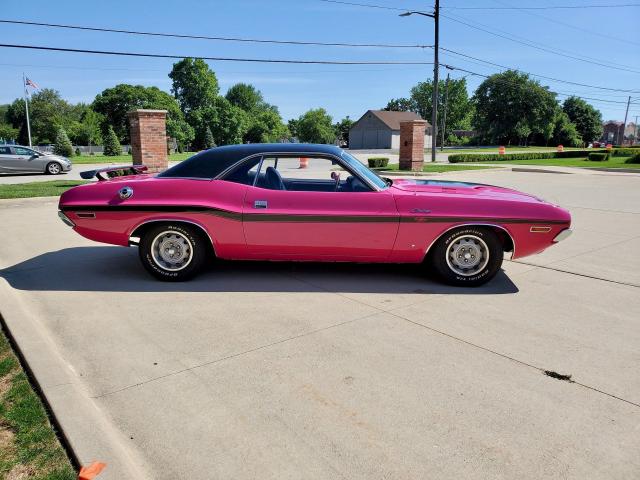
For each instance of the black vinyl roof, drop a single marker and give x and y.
(210, 163)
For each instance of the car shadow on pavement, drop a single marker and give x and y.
(117, 269)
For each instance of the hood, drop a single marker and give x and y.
(53, 156)
(462, 188)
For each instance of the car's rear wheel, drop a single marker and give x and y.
(173, 252)
(467, 256)
(54, 168)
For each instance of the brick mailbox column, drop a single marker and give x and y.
(149, 139)
(412, 145)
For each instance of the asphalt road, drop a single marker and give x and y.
(257, 370)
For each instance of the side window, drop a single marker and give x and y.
(22, 151)
(5, 151)
(245, 173)
(303, 174)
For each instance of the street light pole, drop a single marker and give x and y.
(434, 115)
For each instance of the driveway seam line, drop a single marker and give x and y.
(234, 355)
(486, 349)
(575, 273)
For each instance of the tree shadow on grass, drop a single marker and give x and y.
(117, 269)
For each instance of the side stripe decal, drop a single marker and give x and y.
(268, 217)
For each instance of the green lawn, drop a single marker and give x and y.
(51, 188)
(122, 159)
(436, 167)
(29, 447)
(613, 162)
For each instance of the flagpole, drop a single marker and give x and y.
(26, 107)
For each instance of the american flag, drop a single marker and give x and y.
(30, 83)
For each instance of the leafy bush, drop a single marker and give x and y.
(624, 152)
(480, 157)
(112, 146)
(598, 157)
(63, 144)
(634, 159)
(78, 152)
(378, 162)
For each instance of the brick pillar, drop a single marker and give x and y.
(149, 138)
(412, 145)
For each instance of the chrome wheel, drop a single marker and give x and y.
(54, 168)
(171, 250)
(467, 255)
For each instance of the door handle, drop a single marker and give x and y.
(260, 204)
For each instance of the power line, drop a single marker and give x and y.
(537, 75)
(217, 59)
(204, 37)
(575, 27)
(538, 46)
(368, 5)
(549, 7)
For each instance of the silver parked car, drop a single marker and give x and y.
(19, 159)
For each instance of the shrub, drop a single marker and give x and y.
(78, 152)
(63, 145)
(624, 152)
(634, 159)
(112, 146)
(378, 162)
(598, 157)
(480, 157)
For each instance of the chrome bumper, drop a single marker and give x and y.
(65, 219)
(563, 235)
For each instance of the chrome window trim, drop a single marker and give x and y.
(331, 156)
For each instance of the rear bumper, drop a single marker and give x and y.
(563, 235)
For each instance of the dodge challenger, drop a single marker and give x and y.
(302, 202)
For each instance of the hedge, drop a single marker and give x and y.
(378, 162)
(598, 157)
(634, 159)
(624, 152)
(479, 157)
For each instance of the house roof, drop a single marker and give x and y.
(392, 119)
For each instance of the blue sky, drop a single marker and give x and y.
(605, 35)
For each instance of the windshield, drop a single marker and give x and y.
(370, 175)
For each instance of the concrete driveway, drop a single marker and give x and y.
(278, 371)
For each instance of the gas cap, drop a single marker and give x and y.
(125, 192)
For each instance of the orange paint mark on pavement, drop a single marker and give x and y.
(92, 471)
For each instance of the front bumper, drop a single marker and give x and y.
(66, 220)
(563, 235)
(66, 167)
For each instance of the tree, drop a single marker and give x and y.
(63, 145)
(194, 84)
(400, 105)
(111, 144)
(314, 126)
(245, 96)
(457, 103)
(565, 131)
(48, 112)
(115, 103)
(265, 126)
(292, 125)
(209, 142)
(587, 120)
(7, 132)
(342, 129)
(510, 108)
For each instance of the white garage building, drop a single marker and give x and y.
(380, 129)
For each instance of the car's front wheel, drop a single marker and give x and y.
(54, 168)
(467, 256)
(173, 252)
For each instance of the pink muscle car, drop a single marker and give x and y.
(300, 202)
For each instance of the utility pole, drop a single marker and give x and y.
(436, 69)
(26, 106)
(444, 115)
(624, 125)
(434, 115)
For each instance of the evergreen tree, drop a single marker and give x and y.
(112, 146)
(63, 145)
(208, 139)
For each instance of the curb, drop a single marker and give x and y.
(87, 434)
